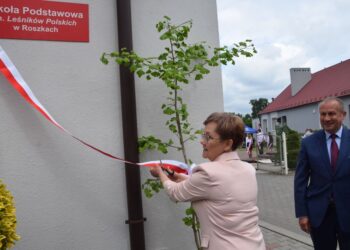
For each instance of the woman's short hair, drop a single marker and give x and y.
(229, 126)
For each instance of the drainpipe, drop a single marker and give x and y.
(128, 99)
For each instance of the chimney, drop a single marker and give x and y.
(298, 78)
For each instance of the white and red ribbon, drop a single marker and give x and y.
(13, 76)
(172, 165)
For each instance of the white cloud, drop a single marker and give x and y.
(300, 33)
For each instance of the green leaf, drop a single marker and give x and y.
(119, 60)
(133, 68)
(199, 132)
(172, 128)
(126, 60)
(166, 35)
(198, 77)
(244, 44)
(187, 221)
(140, 73)
(162, 148)
(168, 111)
(160, 26)
(180, 54)
(189, 211)
(103, 59)
(151, 186)
(155, 74)
(162, 56)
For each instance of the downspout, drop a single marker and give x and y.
(128, 99)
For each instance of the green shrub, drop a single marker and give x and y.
(293, 147)
(293, 144)
(8, 221)
(292, 158)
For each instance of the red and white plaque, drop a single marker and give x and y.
(44, 20)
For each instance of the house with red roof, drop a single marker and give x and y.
(297, 105)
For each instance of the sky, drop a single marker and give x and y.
(286, 34)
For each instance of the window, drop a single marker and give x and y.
(284, 120)
(274, 122)
(264, 126)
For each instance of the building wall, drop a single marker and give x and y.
(202, 97)
(346, 101)
(68, 196)
(304, 117)
(267, 121)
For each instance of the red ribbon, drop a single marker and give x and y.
(10, 72)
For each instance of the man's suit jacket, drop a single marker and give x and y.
(224, 196)
(315, 183)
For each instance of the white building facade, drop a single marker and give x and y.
(297, 106)
(71, 197)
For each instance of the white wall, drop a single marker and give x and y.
(68, 196)
(164, 227)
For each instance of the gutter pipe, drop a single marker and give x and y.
(130, 137)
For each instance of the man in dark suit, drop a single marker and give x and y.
(322, 180)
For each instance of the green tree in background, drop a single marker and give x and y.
(257, 106)
(247, 118)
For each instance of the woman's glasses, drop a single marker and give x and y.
(207, 137)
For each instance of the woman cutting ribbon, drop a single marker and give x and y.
(223, 191)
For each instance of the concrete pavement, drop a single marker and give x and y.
(276, 241)
(275, 201)
(276, 209)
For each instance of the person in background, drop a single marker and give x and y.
(260, 141)
(223, 191)
(270, 142)
(249, 145)
(322, 180)
(307, 133)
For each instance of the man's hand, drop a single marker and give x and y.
(304, 224)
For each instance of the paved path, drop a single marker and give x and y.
(276, 241)
(276, 204)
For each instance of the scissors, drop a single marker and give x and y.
(169, 172)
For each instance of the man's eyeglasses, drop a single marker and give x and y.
(207, 137)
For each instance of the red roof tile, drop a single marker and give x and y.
(332, 81)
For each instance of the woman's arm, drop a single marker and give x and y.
(176, 177)
(157, 171)
(194, 188)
